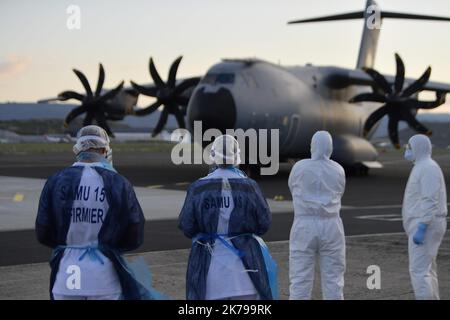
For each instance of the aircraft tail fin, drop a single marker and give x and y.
(372, 16)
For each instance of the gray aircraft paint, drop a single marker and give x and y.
(301, 100)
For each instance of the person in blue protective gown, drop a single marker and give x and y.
(89, 215)
(223, 214)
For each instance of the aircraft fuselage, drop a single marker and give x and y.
(296, 100)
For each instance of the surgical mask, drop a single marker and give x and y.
(95, 157)
(409, 155)
(109, 156)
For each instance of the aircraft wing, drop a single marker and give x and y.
(188, 83)
(341, 78)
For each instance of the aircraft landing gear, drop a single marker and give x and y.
(358, 170)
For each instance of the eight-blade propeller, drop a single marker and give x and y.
(168, 94)
(399, 103)
(94, 104)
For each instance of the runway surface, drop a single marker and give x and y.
(371, 205)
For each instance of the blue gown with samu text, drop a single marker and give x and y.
(54, 216)
(200, 216)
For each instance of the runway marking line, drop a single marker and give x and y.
(382, 217)
(375, 207)
(156, 186)
(182, 183)
(18, 197)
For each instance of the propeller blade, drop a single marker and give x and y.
(186, 84)
(101, 121)
(374, 118)
(100, 81)
(183, 110)
(148, 110)
(375, 97)
(417, 85)
(415, 104)
(415, 124)
(84, 82)
(155, 75)
(67, 95)
(151, 92)
(111, 94)
(400, 74)
(180, 119)
(379, 80)
(393, 131)
(161, 123)
(173, 72)
(73, 114)
(49, 100)
(88, 119)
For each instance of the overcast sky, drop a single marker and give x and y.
(37, 50)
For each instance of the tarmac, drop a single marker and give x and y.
(371, 214)
(386, 251)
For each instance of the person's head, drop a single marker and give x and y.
(225, 151)
(92, 139)
(418, 148)
(321, 145)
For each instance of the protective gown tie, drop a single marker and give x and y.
(221, 237)
(91, 251)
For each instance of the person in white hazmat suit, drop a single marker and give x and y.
(317, 185)
(424, 214)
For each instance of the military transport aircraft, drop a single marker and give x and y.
(299, 100)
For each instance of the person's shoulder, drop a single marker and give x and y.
(66, 172)
(203, 181)
(203, 184)
(246, 185)
(301, 164)
(247, 181)
(197, 183)
(63, 176)
(114, 177)
(337, 166)
(431, 167)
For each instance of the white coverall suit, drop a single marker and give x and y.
(425, 201)
(317, 185)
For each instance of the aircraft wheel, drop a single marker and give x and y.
(358, 170)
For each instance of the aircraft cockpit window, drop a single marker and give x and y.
(218, 78)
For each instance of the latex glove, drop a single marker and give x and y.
(419, 236)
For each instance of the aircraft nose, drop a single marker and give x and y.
(215, 109)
